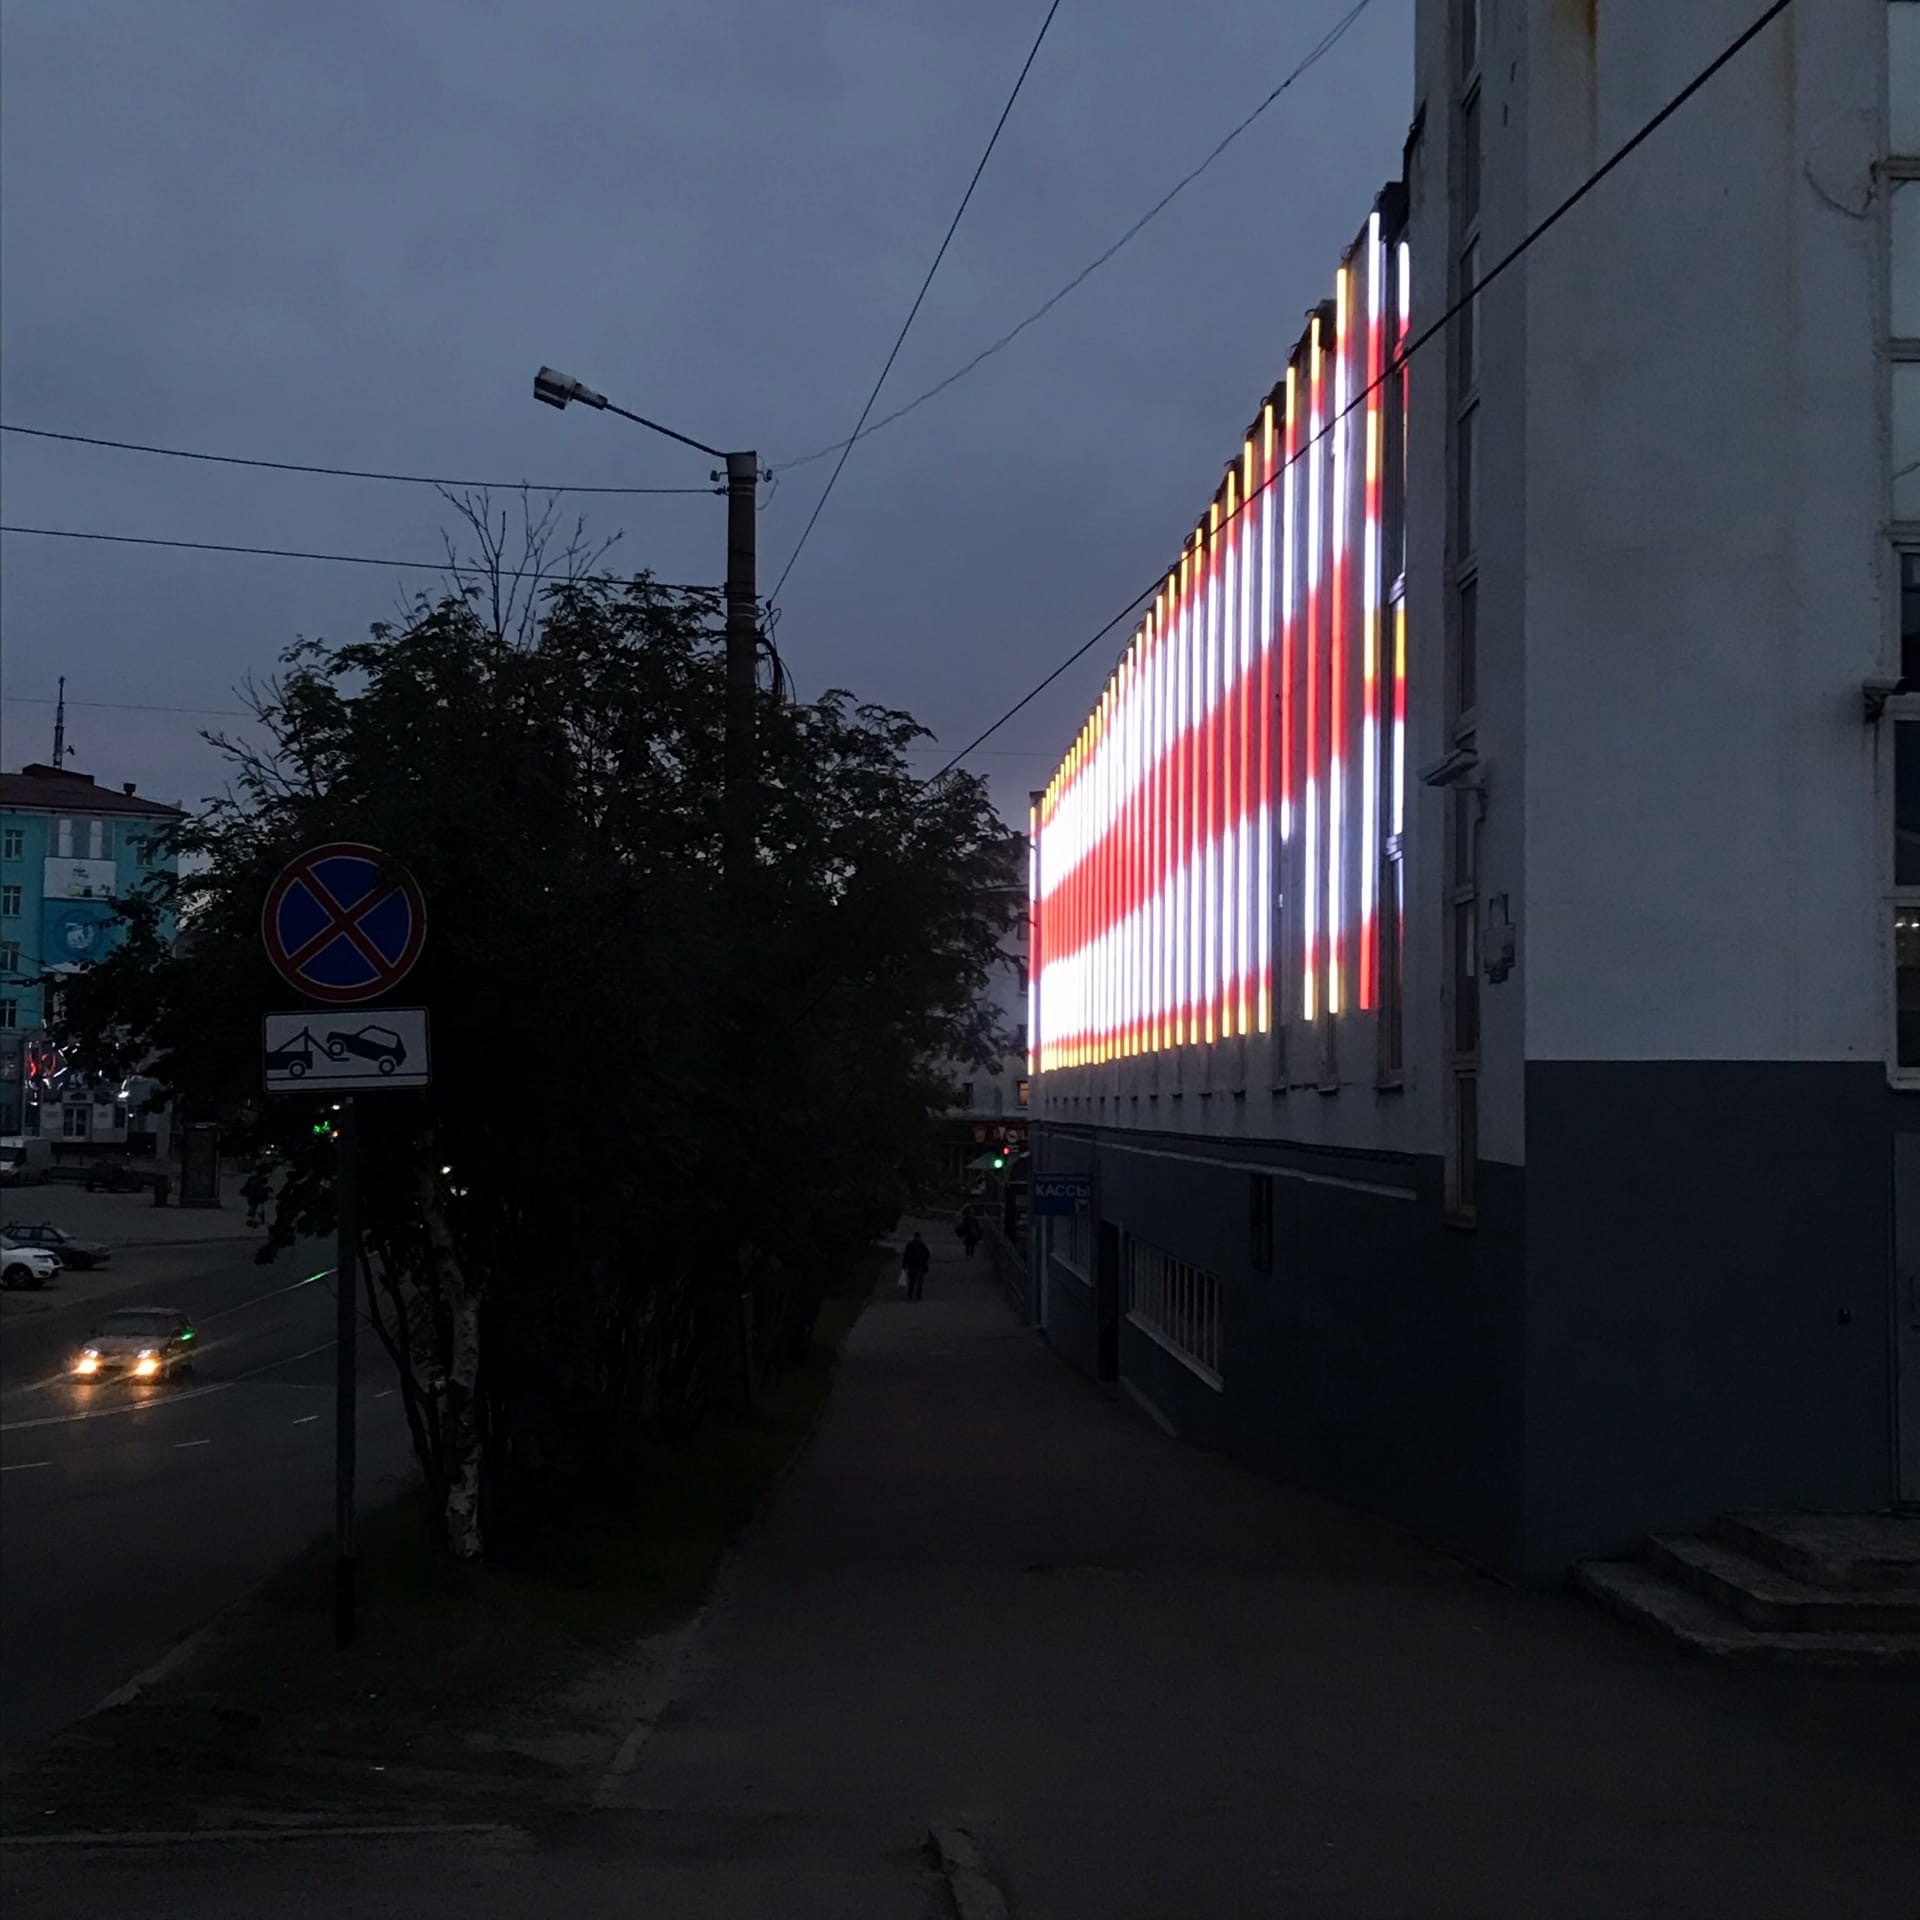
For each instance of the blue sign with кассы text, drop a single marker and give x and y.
(1060, 1193)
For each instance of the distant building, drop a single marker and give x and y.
(992, 1109)
(1477, 932)
(69, 849)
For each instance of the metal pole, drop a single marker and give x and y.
(346, 1282)
(743, 651)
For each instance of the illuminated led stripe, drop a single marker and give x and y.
(1405, 292)
(1264, 917)
(1342, 480)
(1208, 663)
(1370, 617)
(1243, 814)
(1310, 887)
(1036, 953)
(1227, 585)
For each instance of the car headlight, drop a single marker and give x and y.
(148, 1353)
(146, 1364)
(87, 1363)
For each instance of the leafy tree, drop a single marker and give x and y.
(637, 1119)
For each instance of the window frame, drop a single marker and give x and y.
(1901, 898)
(11, 892)
(9, 1013)
(9, 956)
(13, 843)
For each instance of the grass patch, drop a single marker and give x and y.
(434, 1635)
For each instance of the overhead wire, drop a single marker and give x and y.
(953, 226)
(1399, 360)
(1326, 44)
(353, 559)
(337, 473)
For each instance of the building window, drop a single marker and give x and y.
(1910, 620)
(1070, 1241)
(1903, 75)
(76, 1122)
(1906, 898)
(13, 843)
(1260, 1222)
(1023, 1093)
(142, 845)
(9, 956)
(9, 1013)
(1181, 1305)
(966, 1094)
(9, 900)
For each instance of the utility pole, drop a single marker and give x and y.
(743, 660)
(60, 727)
(346, 1287)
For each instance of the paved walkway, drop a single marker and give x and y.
(1155, 1686)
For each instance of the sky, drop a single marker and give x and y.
(348, 235)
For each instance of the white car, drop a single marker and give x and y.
(25, 1266)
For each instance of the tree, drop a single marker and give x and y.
(633, 1123)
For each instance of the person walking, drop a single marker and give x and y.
(970, 1231)
(914, 1262)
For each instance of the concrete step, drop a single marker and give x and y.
(1763, 1596)
(1855, 1551)
(1655, 1600)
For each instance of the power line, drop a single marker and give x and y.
(1426, 335)
(351, 559)
(127, 706)
(1328, 41)
(336, 473)
(913, 311)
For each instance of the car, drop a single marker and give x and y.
(73, 1251)
(381, 1045)
(22, 1265)
(115, 1176)
(145, 1343)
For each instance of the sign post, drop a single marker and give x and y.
(343, 926)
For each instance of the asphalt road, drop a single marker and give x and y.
(130, 1514)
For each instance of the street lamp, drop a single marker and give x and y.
(556, 389)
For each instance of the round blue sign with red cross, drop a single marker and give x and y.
(343, 923)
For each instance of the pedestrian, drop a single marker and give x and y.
(969, 1229)
(914, 1263)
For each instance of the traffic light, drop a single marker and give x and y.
(323, 1129)
(999, 1158)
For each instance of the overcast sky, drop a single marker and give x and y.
(348, 234)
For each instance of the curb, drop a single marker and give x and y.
(199, 1836)
(976, 1895)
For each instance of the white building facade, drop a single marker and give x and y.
(1477, 937)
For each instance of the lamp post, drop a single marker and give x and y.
(742, 476)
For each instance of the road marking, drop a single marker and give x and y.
(287, 1360)
(293, 1287)
(103, 1413)
(178, 1444)
(25, 1466)
(304, 1418)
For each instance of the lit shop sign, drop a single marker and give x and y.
(1205, 862)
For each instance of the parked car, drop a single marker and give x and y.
(116, 1176)
(145, 1343)
(73, 1251)
(381, 1045)
(26, 1266)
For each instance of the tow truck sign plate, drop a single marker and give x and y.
(346, 1049)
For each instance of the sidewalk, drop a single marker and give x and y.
(131, 1219)
(1155, 1687)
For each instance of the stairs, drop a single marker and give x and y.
(1802, 1588)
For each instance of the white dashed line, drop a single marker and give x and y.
(25, 1466)
(304, 1418)
(178, 1444)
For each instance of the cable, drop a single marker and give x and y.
(337, 473)
(348, 559)
(912, 312)
(1328, 42)
(1426, 335)
(126, 706)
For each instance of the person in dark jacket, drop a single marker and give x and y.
(914, 1263)
(970, 1230)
